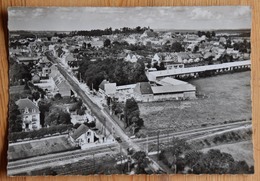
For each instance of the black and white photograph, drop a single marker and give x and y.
(129, 90)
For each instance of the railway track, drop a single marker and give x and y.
(48, 160)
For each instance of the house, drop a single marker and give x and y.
(107, 89)
(62, 85)
(27, 60)
(86, 137)
(183, 57)
(132, 58)
(36, 78)
(143, 92)
(148, 33)
(110, 89)
(30, 114)
(44, 73)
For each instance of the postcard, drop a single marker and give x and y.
(137, 90)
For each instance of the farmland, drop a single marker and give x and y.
(221, 99)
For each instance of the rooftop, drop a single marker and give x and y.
(79, 131)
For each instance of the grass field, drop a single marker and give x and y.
(240, 151)
(36, 148)
(227, 97)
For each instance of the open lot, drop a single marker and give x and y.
(38, 147)
(225, 98)
(240, 151)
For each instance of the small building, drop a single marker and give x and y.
(30, 114)
(133, 58)
(62, 85)
(36, 78)
(143, 92)
(86, 137)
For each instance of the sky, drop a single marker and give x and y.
(87, 18)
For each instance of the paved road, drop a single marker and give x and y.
(102, 116)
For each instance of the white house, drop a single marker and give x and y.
(30, 114)
(85, 137)
(132, 58)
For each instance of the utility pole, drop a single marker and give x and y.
(168, 139)
(147, 146)
(158, 142)
(94, 163)
(105, 127)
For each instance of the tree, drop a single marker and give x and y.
(141, 162)
(199, 33)
(208, 35)
(107, 43)
(44, 108)
(196, 48)
(15, 121)
(214, 162)
(177, 47)
(57, 117)
(57, 96)
(179, 146)
(213, 34)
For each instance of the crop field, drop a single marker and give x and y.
(222, 98)
(36, 148)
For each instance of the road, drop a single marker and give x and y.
(52, 160)
(101, 115)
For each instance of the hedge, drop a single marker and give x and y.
(37, 134)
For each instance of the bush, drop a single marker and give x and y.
(16, 136)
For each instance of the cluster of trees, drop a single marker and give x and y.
(132, 115)
(241, 46)
(211, 162)
(208, 34)
(78, 107)
(56, 117)
(117, 71)
(18, 73)
(15, 120)
(108, 31)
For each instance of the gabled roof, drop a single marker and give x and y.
(102, 84)
(79, 131)
(143, 88)
(26, 103)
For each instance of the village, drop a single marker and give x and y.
(117, 70)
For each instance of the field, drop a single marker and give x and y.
(225, 98)
(240, 151)
(36, 148)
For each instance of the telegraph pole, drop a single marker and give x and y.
(158, 142)
(147, 146)
(94, 163)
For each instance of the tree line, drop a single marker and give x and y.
(115, 71)
(108, 31)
